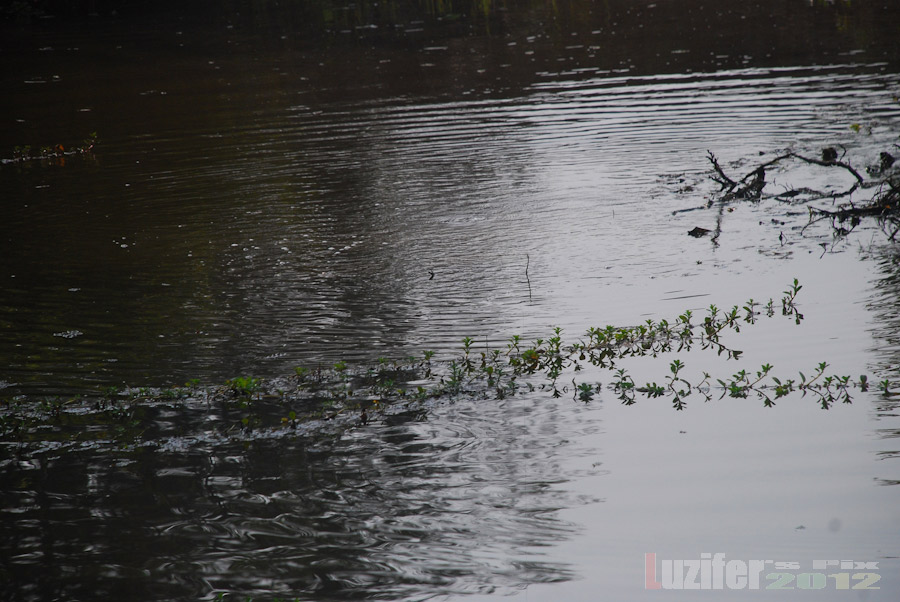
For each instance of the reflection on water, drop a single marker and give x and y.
(258, 202)
(301, 236)
(296, 185)
(883, 303)
(464, 501)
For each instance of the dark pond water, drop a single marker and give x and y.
(295, 185)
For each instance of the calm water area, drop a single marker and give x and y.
(276, 185)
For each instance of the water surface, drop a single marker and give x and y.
(267, 194)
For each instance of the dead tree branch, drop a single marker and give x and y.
(884, 204)
(723, 179)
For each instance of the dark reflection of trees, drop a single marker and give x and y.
(405, 510)
(181, 182)
(885, 307)
(616, 30)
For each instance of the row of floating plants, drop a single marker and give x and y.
(319, 398)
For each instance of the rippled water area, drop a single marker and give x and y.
(197, 198)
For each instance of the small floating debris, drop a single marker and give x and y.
(698, 232)
(68, 334)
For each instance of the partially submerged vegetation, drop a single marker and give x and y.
(54, 154)
(879, 189)
(391, 390)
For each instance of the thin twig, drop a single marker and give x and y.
(846, 166)
(527, 263)
(725, 181)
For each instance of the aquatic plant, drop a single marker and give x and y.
(499, 372)
(55, 152)
(604, 347)
(356, 396)
(244, 386)
(827, 391)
